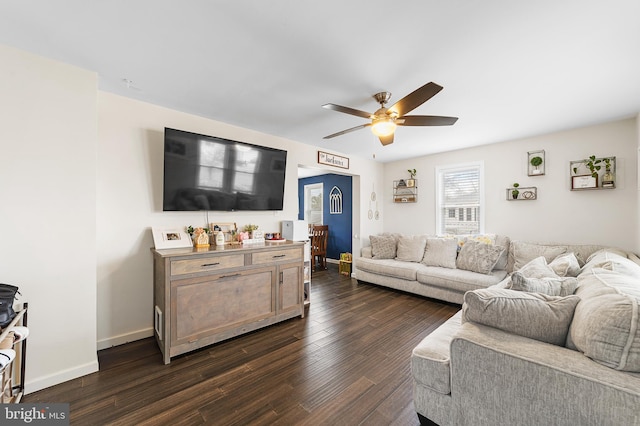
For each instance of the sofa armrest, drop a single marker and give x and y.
(501, 378)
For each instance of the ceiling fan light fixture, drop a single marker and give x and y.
(383, 126)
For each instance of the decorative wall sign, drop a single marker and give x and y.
(332, 160)
(335, 201)
(584, 182)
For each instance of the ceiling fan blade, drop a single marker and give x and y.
(347, 131)
(347, 110)
(415, 99)
(426, 120)
(386, 140)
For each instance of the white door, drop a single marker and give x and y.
(313, 203)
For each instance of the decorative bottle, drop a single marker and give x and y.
(608, 179)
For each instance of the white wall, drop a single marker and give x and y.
(559, 215)
(129, 203)
(47, 218)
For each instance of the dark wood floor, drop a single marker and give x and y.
(345, 363)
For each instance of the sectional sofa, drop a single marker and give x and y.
(557, 341)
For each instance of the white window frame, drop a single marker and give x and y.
(439, 171)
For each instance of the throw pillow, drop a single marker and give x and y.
(441, 252)
(478, 257)
(606, 324)
(523, 253)
(536, 316)
(411, 248)
(383, 246)
(566, 265)
(559, 286)
(537, 268)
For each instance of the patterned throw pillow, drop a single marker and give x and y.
(383, 246)
(478, 257)
(566, 265)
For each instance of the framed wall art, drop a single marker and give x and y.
(535, 163)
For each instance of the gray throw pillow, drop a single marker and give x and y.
(383, 246)
(606, 324)
(411, 248)
(478, 257)
(441, 252)
(536, 316)
(558, 286)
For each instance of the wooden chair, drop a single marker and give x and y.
(319, 238)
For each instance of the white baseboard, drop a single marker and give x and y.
(60, 377)
(125, 338)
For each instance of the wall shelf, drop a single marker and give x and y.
(582, 179)
(405, 191)
(525, 193)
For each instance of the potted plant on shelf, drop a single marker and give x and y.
(411, 181)
(536, 162)
(514, 191)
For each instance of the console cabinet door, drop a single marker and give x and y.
(207, 305)
(289, 287)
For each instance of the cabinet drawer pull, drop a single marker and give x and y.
(229, 276)
(210, 264)
(279, 255)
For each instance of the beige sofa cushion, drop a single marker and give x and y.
(606, 324)
(430, 360)
(533, 315)
(390, 268)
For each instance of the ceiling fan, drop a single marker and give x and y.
(384, 120)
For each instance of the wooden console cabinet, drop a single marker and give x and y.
(203, 296)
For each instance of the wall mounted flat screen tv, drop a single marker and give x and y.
(211, 173)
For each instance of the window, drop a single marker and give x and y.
(460, 188)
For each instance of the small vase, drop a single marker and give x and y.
(608, 180)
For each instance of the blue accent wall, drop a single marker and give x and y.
(340, 229)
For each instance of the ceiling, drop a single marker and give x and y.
(510, 69)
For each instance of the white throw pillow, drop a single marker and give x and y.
(537, 268)
(566, 265)
(441, 252)
(411, 248)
